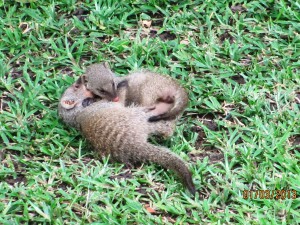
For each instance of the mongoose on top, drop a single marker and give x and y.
(119, 131)
(162, 94)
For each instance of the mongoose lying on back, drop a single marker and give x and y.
(119, 131)
(160, 93)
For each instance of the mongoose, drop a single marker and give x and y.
(119, 131)
(160, 93)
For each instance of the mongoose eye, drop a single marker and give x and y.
(102, 91)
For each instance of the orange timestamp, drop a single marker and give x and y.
(270, 194)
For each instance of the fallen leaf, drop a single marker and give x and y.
(146, 23)
(149, 209)
(185, 42)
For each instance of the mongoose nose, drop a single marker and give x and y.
(116, 99)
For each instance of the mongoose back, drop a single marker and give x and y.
(121, 132)
(161, 93)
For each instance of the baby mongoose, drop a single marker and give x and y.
(119, 131)
(160, 93)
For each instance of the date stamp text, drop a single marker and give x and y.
(270, 194)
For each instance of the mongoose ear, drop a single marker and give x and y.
(123, 83)
(106, 65)
(84, 79)
(67, 103)
(79, 81)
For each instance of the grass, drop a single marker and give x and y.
(239, 61)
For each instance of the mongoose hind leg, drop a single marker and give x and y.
(163, 104)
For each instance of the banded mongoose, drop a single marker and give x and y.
(162, 94)
(119, 131)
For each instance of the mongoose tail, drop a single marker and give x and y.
(165, 158)
(178, 99)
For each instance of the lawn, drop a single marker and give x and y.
(239, 62)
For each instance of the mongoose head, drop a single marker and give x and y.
(101, 81)
(74, 99)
